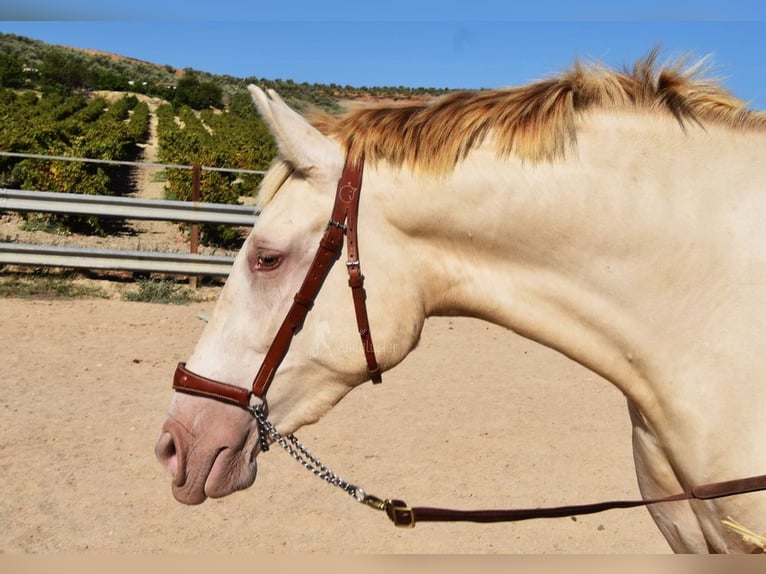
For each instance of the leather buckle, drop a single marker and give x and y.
(400, 514)
(338, 224)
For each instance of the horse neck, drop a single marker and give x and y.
(559, 251)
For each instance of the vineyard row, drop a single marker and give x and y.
(115, 129)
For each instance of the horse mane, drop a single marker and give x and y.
(536, 122)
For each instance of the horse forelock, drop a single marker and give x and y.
(277, 174)
(536, 122)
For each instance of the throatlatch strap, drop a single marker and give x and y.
(355, 277)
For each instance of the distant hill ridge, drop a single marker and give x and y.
(121, 58)
(93, 69)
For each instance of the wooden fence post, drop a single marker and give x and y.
(194, 233)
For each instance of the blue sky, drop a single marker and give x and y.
(471, 44)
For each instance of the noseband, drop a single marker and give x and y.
(343, 223)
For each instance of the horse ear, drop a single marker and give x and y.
(300, 143)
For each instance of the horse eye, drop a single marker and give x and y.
(267, 262)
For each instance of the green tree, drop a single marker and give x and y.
(196, 94)
(62, 69)
(11, 71)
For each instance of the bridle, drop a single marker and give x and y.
(343, 223)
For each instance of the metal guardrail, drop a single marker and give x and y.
(130, 208)
(128, 163)
(114, 259)
(193, 212)
(127, 207)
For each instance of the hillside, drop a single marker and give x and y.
(25, 62)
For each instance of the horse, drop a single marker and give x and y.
(615, 216)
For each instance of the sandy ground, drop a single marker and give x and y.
(474, 418)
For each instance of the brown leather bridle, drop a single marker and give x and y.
(343, 222)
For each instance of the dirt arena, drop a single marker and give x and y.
(474, 418)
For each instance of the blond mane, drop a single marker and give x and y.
(536, 122)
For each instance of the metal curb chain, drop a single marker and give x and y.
(300, 453)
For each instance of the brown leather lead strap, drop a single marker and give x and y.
(402, 515)
(729, 487)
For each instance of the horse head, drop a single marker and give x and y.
(210, 447)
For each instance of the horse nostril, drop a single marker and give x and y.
(166, 453)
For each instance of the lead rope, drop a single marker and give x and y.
(403, 515)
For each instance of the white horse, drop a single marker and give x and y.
(617, 217)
